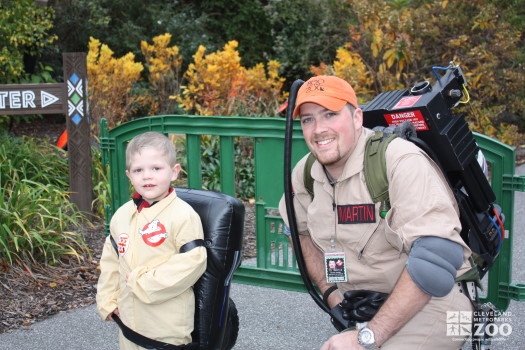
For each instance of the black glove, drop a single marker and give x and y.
(362, 305)
(336, 316)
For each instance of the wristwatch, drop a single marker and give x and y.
(366, 338)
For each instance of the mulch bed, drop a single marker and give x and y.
(30, 296)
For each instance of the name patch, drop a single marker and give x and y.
(356, 214)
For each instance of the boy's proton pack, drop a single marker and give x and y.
(446, 138)
(216, 324)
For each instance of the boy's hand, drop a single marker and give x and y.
(109, 318)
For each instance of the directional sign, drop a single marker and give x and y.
(54, 99)
(33, 99)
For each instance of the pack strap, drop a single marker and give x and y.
(113, 243)
(146, 342)
(186, 247)
(308, 179)
(192, 244)
(375, 166)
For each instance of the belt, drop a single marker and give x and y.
(470, 287)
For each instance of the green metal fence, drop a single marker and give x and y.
(275, 264)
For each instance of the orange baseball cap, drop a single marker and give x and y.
(328, 91)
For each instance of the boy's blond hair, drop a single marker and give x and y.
(154, 140)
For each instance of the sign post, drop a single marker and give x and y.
(69, 98)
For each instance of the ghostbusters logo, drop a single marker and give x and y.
(122, 244)
(154, 233)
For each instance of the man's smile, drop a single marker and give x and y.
(324, 142)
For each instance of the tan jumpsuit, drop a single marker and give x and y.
(376, 249)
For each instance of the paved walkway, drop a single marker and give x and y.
(270, 319)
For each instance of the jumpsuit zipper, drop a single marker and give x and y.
(361, 253)
(334, 209)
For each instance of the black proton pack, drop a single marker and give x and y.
(447, 139)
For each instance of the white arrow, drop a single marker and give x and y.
(47, 99)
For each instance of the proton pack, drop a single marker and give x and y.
(423, 116)
(447, 138)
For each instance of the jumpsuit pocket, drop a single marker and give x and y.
(367, 240)
(393, 238)
(381, 243)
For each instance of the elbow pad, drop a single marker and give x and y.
(433, 263)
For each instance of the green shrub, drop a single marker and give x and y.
(211, 165)
(37, 217)
(101, 187)
(244, 168)
(23, 158)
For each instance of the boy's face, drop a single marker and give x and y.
(151, 174)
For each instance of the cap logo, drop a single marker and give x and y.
(314, 85)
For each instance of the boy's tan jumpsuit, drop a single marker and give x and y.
(157, 298)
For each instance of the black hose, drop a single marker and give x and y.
(290, 211)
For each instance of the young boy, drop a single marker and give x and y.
(149, 283)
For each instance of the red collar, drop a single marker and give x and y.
(141, 203)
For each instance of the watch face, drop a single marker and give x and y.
(366, 337)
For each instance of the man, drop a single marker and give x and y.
(414, 254)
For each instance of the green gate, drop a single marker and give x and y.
(275, 264)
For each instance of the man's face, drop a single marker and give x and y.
(331, 136)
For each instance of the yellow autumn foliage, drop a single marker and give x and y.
(350, 67)
(111, 81)
(164, 66)
(217, 84)
(395, 45)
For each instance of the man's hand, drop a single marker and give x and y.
(342, 341)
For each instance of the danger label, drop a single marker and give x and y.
(415, 117)
(406, 102)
